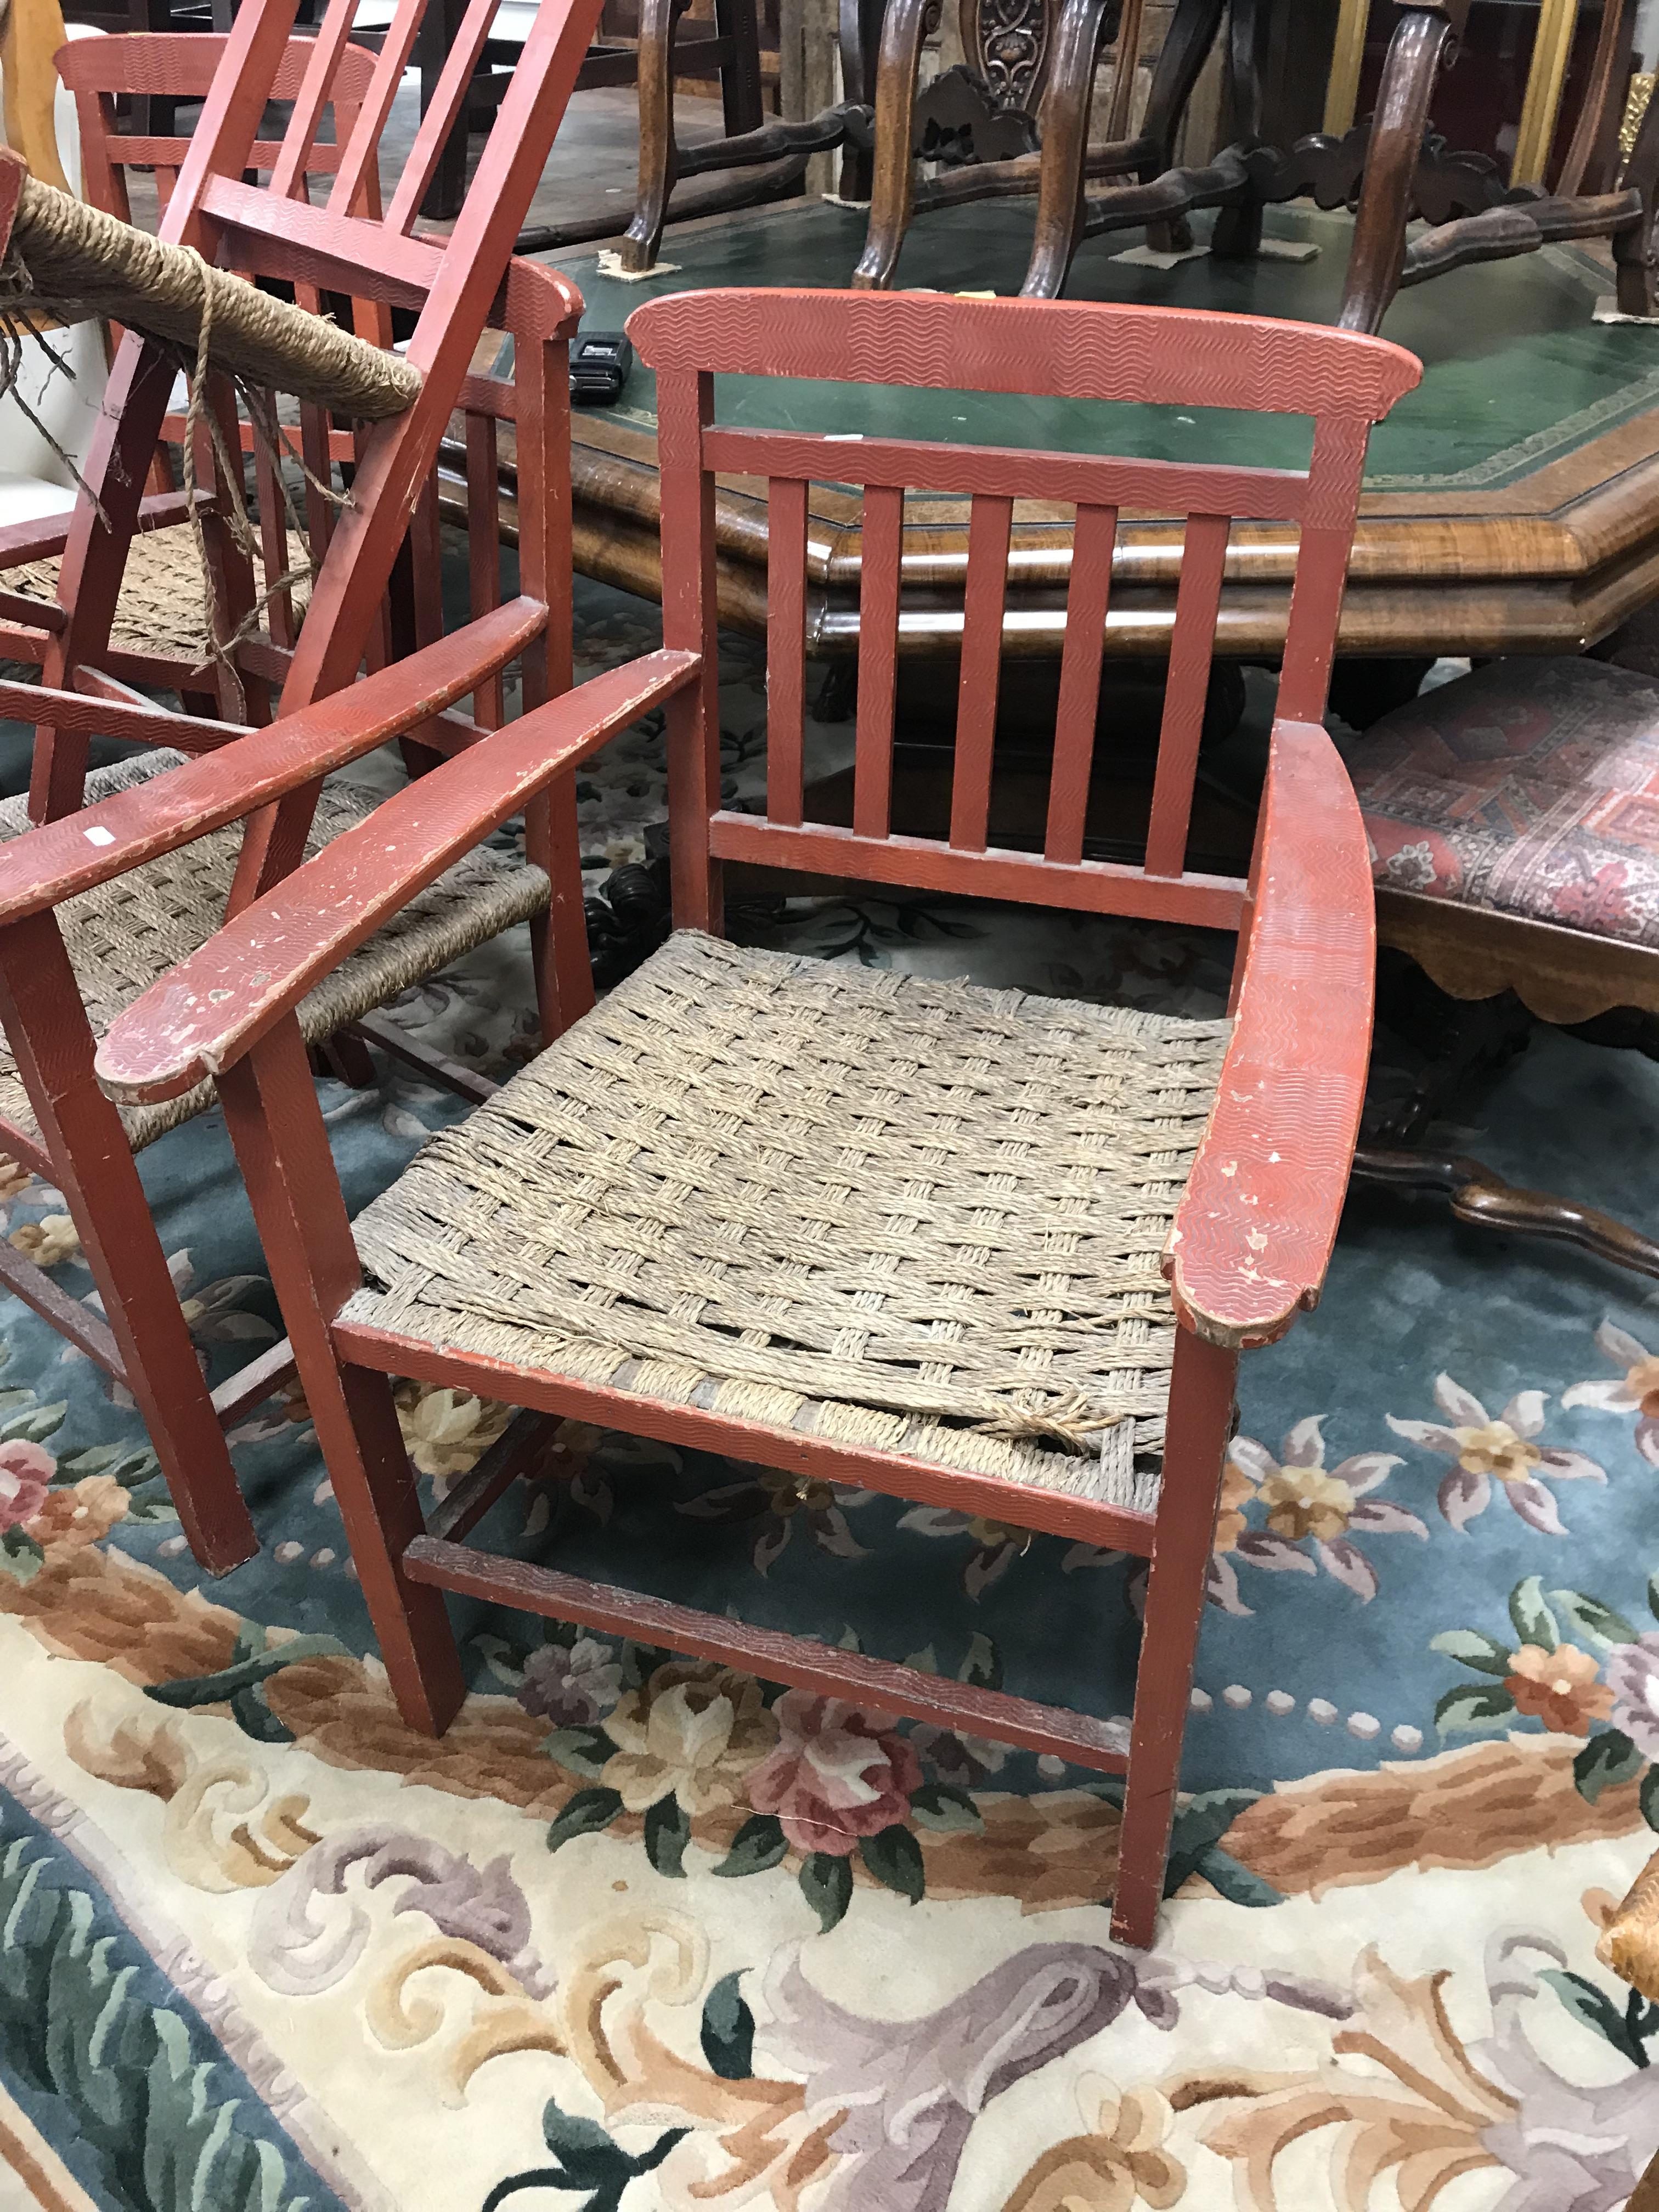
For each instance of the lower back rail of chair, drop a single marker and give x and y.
(1020, 1431)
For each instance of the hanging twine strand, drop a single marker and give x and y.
(70, 263)
(75, 264)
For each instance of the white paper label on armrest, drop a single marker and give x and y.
(99, 836)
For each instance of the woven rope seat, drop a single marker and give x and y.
(904, 1215)
(162, 608)
(121, 936)
(71, 263)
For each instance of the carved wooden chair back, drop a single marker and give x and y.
(377, 602)
(1160, 356)
(105, 72)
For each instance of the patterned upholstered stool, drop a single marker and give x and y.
(1513, 816)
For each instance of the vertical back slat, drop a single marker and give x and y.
(482, 553)
(103, 177)
(1088, 595)
(685, 406)
(1334, 477)
(786, 648)
(287, 176)
(362, 147)
(448, 99)
(231, 570)
(1191, 649)
(427, 565)
(990, 522)
(880, 565)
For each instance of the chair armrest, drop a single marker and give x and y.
(51, 863)
(1252, 1234)
(201, 1018)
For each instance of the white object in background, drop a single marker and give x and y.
(34, 480)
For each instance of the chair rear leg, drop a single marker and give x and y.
(1378, 251)
(742, 99)
(40, 1006)
(1200, 1420)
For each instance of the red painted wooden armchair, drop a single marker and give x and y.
(863, 1228)
(76, 943)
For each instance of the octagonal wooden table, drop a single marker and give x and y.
(1511, 502)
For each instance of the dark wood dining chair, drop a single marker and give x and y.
(968, 1247)
(1389, 167)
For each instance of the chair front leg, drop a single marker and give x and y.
(276, 1126)
(905, 26)
(1378, 253)
(47, 1028)
(1200, 1424)
(1065, 106)
(659, 149)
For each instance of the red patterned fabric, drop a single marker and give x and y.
(1529, 787)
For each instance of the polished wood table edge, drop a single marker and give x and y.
(1380, 618)
(1548, 564)
(1568, 518)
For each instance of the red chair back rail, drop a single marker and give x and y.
(272, 230)
(181, 65)
(1063, 348)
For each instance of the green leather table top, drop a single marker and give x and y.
(1515, 372)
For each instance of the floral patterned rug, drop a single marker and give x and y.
(641, 1933)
